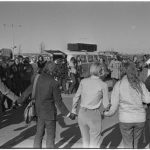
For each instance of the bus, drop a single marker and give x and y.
(87, 58)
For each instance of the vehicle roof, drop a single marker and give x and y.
(79, 52)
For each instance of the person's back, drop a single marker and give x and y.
(130, 107)
(92, 92)
(47, 94)
(128, 95)
(44, 97)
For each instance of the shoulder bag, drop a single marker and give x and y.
(30, 113)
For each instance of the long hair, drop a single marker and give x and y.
(49, 68)
(132, 75)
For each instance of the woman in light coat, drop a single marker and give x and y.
(128, 95)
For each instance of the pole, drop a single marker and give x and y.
(12, 26)
(13, 39)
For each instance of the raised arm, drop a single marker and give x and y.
(7, 92)
(106, 101)
(114, 100)
(58, 100)
(76, 99)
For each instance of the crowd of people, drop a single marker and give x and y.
(130, 95)
(16, 75)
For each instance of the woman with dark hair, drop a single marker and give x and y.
(128, 95)
(40, 63)
(73, 75)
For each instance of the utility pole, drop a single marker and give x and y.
(19, 50)
(12, 26)
(42, 47)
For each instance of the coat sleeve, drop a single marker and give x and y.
(58, 100)
(76, 99)
(114, 99)
(106, 100)
(7, 92)
(145, 95)
(25, 94)
(28, 91)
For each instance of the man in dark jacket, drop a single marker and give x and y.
(47, 94)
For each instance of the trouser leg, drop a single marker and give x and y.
(127, 134)
(2, 100)
(50, 129)
(148, 122)
(39, 133)
(138, 130)
(84, 129)
(95, 128)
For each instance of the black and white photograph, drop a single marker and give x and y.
(75, 74)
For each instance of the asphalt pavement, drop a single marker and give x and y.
(14, 133)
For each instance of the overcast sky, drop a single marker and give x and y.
(124, 26)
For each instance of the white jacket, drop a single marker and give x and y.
(129, 102)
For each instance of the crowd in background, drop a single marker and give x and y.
(16, 74)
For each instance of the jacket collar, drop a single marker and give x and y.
(47, 75)
(94, 77)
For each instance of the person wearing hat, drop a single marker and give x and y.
(128, 95)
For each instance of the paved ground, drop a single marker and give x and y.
(14, 133)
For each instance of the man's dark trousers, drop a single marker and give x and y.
(50, 126)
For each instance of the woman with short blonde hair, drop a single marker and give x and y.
(95, 69)
(93, 92)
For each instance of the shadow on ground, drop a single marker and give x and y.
(112, 139)
(71, 135)
(21, 128)
(20, 138)
(72, 132)
(12, 117)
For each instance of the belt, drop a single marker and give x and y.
(84, 108)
